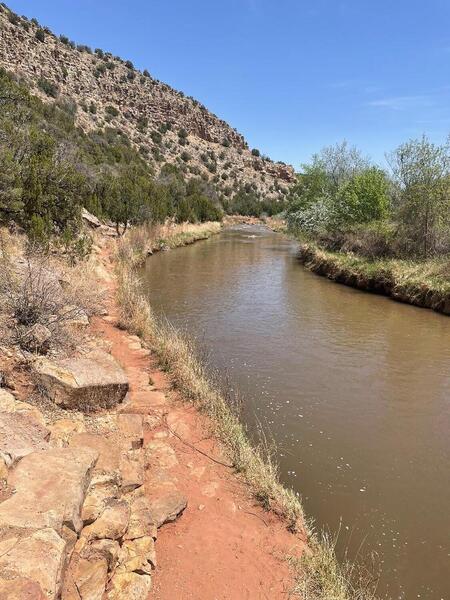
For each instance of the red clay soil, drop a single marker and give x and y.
(224, 546)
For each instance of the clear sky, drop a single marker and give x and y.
(291, 75)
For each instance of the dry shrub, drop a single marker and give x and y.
(42, 301)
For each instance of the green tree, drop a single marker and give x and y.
(421, 171)
(363, 198)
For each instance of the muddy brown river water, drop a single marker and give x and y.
(355, 389)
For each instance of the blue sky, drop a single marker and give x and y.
(291, 75)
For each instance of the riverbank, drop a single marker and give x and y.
(425, 284)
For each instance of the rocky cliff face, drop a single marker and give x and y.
(162, 123)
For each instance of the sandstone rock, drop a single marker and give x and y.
(90, 219)
(159, 455)
(167, 507)
(132, 431)
(141, 520)
(103, 488)
(87, 383)
(50, 488)
(3, 470)
(111, 524)
(38, 557)
(107, 449)
(62, 430)
(90, 577)
(109, 549)
(130, 586)
(132, 469)
(20, 588)
(20, 435)
(137, 555)
(143, 402)
(8, 403)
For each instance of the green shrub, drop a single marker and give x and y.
(129, 64)
(255, 152)
(40, 35)
(49, 88)
(64, 39)
(111, 111)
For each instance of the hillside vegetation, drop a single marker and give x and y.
(127, 134)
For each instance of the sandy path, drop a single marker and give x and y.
(223, 546)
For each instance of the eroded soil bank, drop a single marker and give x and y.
(389, 279)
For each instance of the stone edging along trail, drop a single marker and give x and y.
(131, 501)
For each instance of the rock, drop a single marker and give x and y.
(20, 588)
(90, 577)
(50, 488)
(137, 555)
(132, 469)
(167, 507)
(90, 219)
(36, 339)
(62, 430)
(112, 523)
(142, 403)
(132, 431)
(103, 488)
(20, 435)
(86, 383)
(109, 549)
(8, 403)
(3, 470)
(130, 586)
(38, 556)
(107, 449)
(141, 520)
(159, 455)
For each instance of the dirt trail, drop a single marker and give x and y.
(223, 547)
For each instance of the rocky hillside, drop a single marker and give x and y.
(161, 122)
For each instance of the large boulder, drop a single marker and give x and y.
(50, 487)
(85, 383)
(35, 560)
(20, 435)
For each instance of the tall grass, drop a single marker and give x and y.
(318, 574)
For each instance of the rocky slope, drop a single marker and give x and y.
(165, 125)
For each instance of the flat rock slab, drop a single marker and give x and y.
(87, 383)
(108, 450)
(20, 588)
(167, 507)
(50, 487)
(143, 403)
(20, 435)
(37, 557)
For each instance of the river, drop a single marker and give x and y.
(354, 388)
